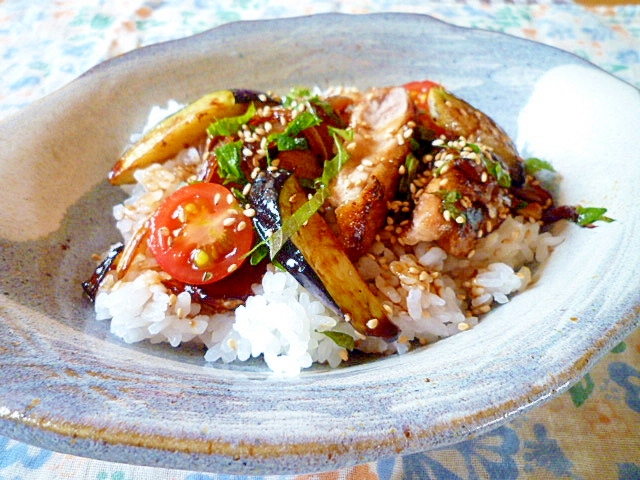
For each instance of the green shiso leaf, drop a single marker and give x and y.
(331, 168)
(343, 340)
(228, 126)
(494, 167)
(229, 158)
(258, 253)
(298, 95)
(589, 215)
(292, 224)
(411, 164)
(534, 165)
(287, 140)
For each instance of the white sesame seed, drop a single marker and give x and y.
(227, 222)
(246, 189)
(229, 198)
(373, 323)
(249, 212)
(232, 268)
(241, 226)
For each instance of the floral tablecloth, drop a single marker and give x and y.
(592, 431)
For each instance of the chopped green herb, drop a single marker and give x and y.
(497, 170)
(451, 197)
(343, 340)
(288, 140)
(449, 200)
(278, 265)
(302, 122)
(226, 127)
(305, 99)
(259, 253)
(298, 95)
(241, 197)
(331, 168)
(494, 167)
(589, 215)
(285, 143)
(534, 165)
(414, 144)
(292, 224)
(229, 158)
(411, 165)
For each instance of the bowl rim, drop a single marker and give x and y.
(197, 453)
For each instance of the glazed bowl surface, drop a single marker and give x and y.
(68, 385)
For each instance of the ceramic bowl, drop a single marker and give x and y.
(68, 385)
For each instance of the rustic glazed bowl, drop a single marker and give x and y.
(68, 385)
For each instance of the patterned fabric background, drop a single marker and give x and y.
(592, 431)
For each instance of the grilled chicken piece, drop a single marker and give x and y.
(457, 207)
(361, 190)
(444, 113)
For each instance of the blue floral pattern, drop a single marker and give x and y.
(15, 453)
(628, 378)
(546, 453)
(491, 456)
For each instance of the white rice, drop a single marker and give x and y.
(430, 295)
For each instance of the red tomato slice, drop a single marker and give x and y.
(419, 93)
(200, 234)
(420, 86)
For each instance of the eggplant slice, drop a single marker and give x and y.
(315, 257)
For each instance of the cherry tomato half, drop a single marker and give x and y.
(419, 93)
(420, 86)
(200, 234)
